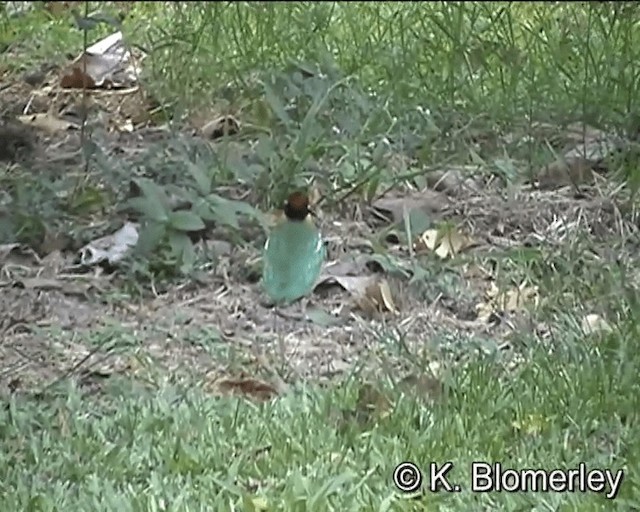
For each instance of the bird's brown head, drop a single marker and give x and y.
(296, 206)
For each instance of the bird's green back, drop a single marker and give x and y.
(293, 258)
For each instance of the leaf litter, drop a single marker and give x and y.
(221, 331)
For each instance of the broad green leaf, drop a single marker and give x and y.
(202, 178)
(225, 210)
(244, 208)
(188, 257)
(152, 190)
(157, 206)
(178, 243)
(151, 234)
(277, 107)
(88, 23)
(152, 210)
(87, 199)
(416, 223)
(265, 148)
(321, 317)
(372, 188)
(203, 208)
(185, 220)
(262, 113)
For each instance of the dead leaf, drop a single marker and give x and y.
(485, 312)
(111, 248)
(518, 298)
(395, 209)
(452, 181)
(315, 195)
(355, 285)
(6, 249)
(377, 298)
(58, 8)
(446, 242)
(224, 125)
(512, 300)
(355, 265)
(593, 145)
(48, 122)
(16, 254)
(249, 387)
(564, 172)
(576, 166)
(593, 324)
(105, 64)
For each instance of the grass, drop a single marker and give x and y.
(175, 450)
(422, 78)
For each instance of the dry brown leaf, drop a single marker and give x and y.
(221, 126)
(6, 249)
(107, 63)
(248, 387)
(446, 243)
(395, 209)
(575, 166)
(485, 312)
(377, 298)
(511, 301)
(454, 180)
(59, 8)
(47, 122)
(351, 266)
(355, 285)
(594, 146)
(564, 172)
(16, 254)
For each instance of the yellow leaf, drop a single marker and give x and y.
(532, 424)
(430, 238)
(259, 503)
(378, 297)
(446, 242)
(485, 310)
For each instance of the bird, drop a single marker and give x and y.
(293, 253)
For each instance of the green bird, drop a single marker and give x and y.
(293, 253)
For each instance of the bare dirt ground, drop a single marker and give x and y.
(58, 321)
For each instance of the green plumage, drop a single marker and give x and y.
(293, 257)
